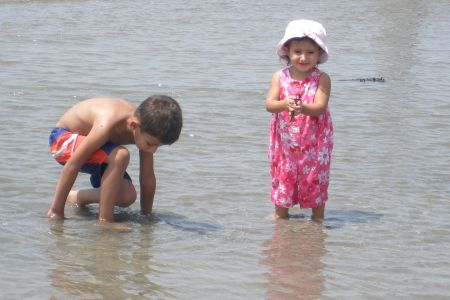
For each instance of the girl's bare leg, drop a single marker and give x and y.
(318, 214)
(281, 212)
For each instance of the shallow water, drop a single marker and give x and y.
(387, 230)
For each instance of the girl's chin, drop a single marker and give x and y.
(303, 69)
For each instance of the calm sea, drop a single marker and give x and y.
(387, 228)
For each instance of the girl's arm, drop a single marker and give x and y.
(273, 103)
(320, 103)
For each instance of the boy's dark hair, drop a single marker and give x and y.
(161, 117)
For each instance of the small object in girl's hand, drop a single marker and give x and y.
(297, 99)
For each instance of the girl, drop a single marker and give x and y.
(301, 131)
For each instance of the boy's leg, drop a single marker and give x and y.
(88, 196)
(84, 196)
(112, 189)
(318, 213)
(281, 212)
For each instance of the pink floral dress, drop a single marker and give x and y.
(300, 149)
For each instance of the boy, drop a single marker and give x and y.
(89, 137)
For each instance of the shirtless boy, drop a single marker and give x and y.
(88, 138)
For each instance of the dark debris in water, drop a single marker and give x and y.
(339, 218)
(182, 223)
(369, 79)
(192, 226)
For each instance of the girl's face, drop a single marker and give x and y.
(303, 56)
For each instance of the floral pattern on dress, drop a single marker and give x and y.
(300, 149)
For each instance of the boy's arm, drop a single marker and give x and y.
(96, 138)
(147, 180)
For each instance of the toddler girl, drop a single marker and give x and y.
(301, 130)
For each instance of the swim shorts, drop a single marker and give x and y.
(63, 143)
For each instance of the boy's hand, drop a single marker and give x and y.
(53, 215)
(145, 212)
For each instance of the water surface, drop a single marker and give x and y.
(387, 230)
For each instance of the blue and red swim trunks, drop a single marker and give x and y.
(63, 143)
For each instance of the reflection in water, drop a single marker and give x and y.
(104, 264)
(294, 255)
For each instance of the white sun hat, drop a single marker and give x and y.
(305, 28)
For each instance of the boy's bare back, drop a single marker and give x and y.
(109, 114)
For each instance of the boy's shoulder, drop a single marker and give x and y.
(104, 105)
(107, 101)
(107, 111)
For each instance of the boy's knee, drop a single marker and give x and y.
(120, 155)
(129, 195)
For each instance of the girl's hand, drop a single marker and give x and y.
(294, 105)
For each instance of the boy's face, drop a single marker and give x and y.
(144, 141)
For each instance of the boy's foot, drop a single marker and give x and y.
(72, 198)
